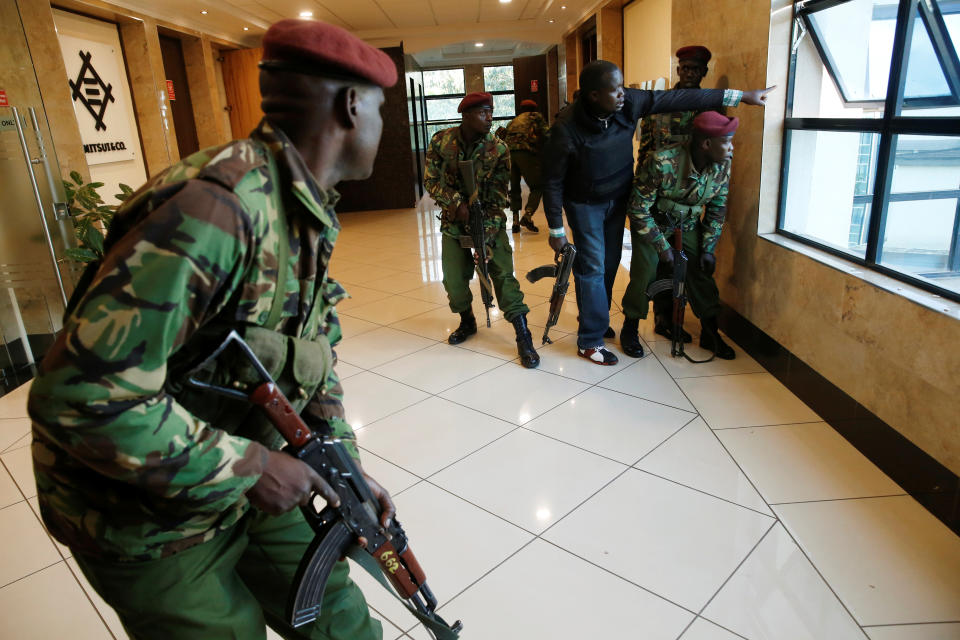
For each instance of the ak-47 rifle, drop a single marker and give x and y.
(677, 284)
(560, 270)
(477, 240)
(337, 528)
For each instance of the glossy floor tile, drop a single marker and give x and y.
(676, 542)
(831, 468)
(889, 560)
(517, 493)
(528, 479)
(695, 458)
(744, 400)
(776, 593)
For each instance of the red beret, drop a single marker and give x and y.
(713, 125)
(695, 52)
(529, 103)
(318, 48)
(475, 99)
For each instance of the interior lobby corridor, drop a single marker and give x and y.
(655, 499)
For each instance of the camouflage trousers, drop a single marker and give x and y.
(229, 588)
(702, 292)
(459, 268)
(525, 164)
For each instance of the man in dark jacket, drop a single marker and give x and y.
(589, 175)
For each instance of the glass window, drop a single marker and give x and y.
(830, 187)
(440, 82)
(443, 108)
(882, 192)
(504, 104)
(498, 78)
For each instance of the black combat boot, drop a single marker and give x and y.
(516, 222)
(710, 339)
(527, 222)
(663, 325)
(630, 338)
(528, 355)
(468, 327)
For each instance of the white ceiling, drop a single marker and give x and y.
(420, 24)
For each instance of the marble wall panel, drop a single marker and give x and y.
(198, 57)
(894, 356)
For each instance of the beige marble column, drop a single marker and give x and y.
(51, 76)
(198, 56)
(141, 47)
(572, 50)
(610, 34)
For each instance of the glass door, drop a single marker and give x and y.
(35, 229)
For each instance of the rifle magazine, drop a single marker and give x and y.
(306, 596)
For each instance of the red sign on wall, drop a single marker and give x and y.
(534, 86)
(170, 92)
(3, 99)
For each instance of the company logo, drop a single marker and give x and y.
(90, 89)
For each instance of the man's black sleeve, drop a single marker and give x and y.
(644, 102)
(555, 158)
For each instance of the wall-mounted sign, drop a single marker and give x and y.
(170, 92)
(94, 75)
(7, 123)
(3, 99)
(534, 86)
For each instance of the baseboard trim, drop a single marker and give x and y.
(929, 482)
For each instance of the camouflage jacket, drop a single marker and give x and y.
(491, 162)
(123, 469)
(527, 132)
(659, 130)
(668, 190)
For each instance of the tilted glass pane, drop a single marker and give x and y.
(443, 82)
(830, 187)
(857, 42)
(504, 105)
(498, 78)
(924, 75)
(920, 235)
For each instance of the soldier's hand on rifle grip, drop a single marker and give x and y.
(557, 243)
(666, 257)
(708, 263)
(383, 497)
(287, 482)
(463, 213)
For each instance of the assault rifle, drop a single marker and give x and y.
(563, 265)
(337, 528)
(677, 284)
(477, 240)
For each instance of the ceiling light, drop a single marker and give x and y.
(563, 6)
(246, 28)
(505, 1)
(306, 14)
(550, 20)
(478, 44)
(203, 11)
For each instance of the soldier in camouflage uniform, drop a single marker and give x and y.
(660, 130)
(178, 507)
(525, 137)
(682, 185)
(472, 140)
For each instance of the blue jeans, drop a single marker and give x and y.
(598, 235)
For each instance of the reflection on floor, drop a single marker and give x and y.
(655, 499)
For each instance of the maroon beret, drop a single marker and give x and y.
(713, 125)
(529, 103)
(475, 99)
(696, 52)
(318, 48)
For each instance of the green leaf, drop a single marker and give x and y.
(93, 239)
(81, 255)
(76, 177)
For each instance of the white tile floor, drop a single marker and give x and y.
(654, 499)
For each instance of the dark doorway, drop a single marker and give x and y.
(180, 105)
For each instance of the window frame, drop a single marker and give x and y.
(502, 92)
(887, 127)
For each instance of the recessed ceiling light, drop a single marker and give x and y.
(203, 11)
(246, 28)
(306, 14)
(478, 44)
(505, 1)
(551, 20)
(563, 6)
